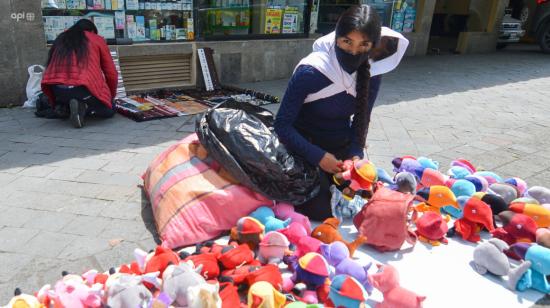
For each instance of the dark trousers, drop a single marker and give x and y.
(319, 208)
(96, 108)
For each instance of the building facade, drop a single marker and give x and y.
(252, 40)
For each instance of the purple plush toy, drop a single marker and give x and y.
(337, 255)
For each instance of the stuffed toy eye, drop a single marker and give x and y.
(319, 233)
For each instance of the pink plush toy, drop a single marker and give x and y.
(285, 211)
(273, 248)
(298, 236)
(387, 281)
(72, 292)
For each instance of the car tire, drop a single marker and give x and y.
(543, 37)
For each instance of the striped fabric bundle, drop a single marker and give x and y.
(192, 197)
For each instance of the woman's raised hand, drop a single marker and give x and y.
(330, 164)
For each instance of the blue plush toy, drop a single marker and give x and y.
(428, 163)
(266, 216)
(384, 176)
(458, 172)
(463, 188)
(536, 275)
(346, 291)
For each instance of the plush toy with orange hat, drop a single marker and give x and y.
(248, 231)
(362, 175)
(539, 213)
(476, 216)
(327, 232)
(432, 228)
(434, 198)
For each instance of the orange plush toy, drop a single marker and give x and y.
(327, 232)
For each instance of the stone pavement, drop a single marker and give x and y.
(71, 201)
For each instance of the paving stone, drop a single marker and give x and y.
(65, 174)
(122, 253)
(130, 230)
(84, 246)
(11, 264)
(122, 210)
(52, 221)
(17, 217)
(83, 206)
(117, 193)
(48, 244)
(6, 178)
(107, 178)
(88, 225)
(37, 171)
(14, 239)
(80, 163)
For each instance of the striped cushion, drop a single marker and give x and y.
(192, 197)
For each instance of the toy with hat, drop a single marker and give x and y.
(432, 228)
(346, 291)
(273, 248)
(362, 175)
(312, 269)
(248, 231)
(476, 216)
(327, 232)
(338, 256)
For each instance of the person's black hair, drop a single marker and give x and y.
(72, 41)
(364, 19)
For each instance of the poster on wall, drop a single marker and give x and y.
(273, 21)
(76, 4)
(105, 26)
(290, 20)
(132, 4)
(120, 20)
(53, 4)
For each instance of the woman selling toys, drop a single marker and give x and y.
(338, 80)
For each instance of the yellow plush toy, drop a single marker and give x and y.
(21, 300)
(263, 294)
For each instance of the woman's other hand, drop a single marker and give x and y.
(330, 164)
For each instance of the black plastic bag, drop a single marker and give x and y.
(240, 137)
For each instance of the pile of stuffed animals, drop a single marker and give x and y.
(275, 259)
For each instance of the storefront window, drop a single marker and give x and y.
(226, 18)
(138, 20)
(400, 15)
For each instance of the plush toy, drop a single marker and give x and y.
(537, 275)
(497, 204)
(263, 295)
(434, 198)
(508, 192)
(156, 261)
(128, 290)
(464, 164)
(232, 257)
(21, 300)
(489, 257)
(327, 232)
(543, 237)
(384, 176)
(346, 291)
(285, 211)
(515, 228)
(312, 269)
(204, 295)
(428, 163)
(520, 184)
(539, 193)
(208, 263)
(297, 235)
(407, 163)
(269, 273)
(458, 172)
(432, 228)
(182, 283)
(387, 281)
(479, 182)
(273, 248)
(248, 231)
(491, 177)
(540, 214)
(337, 255)
(476, 215)
(362, 175)
(405, 182)
(430, 177)
(229, 295)
(343, 206)
(299, 304)
(463, 188)
(72, 291)
(239, 274)
(266, 216)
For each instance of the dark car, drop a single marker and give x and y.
(535, 15)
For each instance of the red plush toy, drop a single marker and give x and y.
(476, 215)
(160, 259)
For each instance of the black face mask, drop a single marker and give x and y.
(350, 63)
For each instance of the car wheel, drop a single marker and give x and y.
(544, 38)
